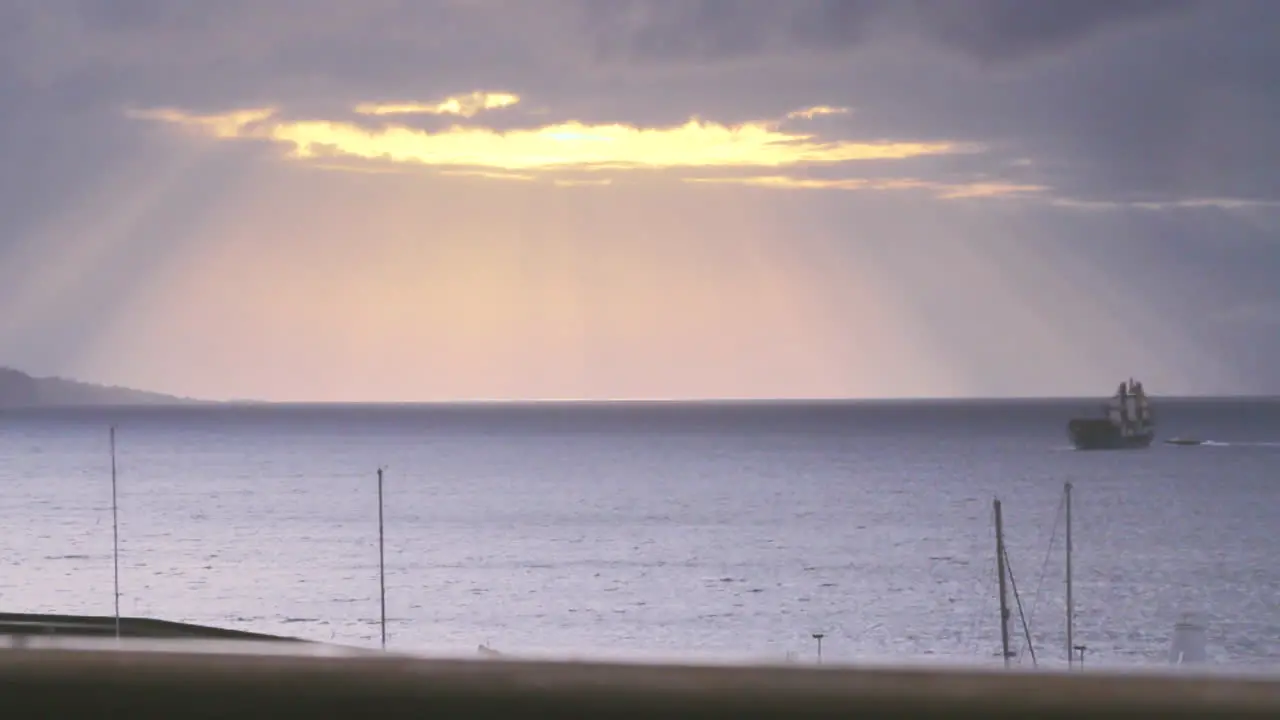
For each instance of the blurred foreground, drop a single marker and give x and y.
(139, 678)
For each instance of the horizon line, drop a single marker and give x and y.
(950, 399)
(161, 397)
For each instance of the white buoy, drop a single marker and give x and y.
(1190, 640)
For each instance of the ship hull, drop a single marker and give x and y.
(1090, 434)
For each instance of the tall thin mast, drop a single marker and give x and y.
(115, 533)
(1004, 602)
(1071, 606)
(382, 564)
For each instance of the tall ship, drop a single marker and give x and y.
(1126, 423)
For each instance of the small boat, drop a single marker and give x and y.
(1183, 441)
(1126, 423)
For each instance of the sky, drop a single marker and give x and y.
(418, 200)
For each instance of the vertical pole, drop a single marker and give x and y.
(1071, 605)
(1004, 602)
(115, 532)
(818, 637)
(382, 564)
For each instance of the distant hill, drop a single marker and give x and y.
(18, 389)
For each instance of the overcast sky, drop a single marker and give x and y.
(413, 200)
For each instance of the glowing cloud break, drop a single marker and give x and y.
(564, 145)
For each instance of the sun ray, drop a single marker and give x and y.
(96, 241)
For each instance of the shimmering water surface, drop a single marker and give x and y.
(733, 530)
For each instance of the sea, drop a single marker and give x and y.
(731, 531)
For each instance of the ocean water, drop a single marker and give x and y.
(725, 530)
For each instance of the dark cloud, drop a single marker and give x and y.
(1126, 99)
(1112, 101)
(200, 52)
(989, 30)
(1187, 109)
(1007, 30)
(241, 52)
(709, 30)
(1141, 100)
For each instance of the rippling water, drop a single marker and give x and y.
(733, 530)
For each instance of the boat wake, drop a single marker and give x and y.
(1219, 443)
(1198, 443)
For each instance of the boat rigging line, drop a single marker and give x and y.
(1048, 555)
(1017, 599)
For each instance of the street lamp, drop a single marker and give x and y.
(818, 636)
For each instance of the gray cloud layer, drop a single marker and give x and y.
(992, 30)
(1157, 100)
(1128, 99)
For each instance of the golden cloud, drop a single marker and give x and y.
(551, 150)
(468, 105)
(792, 183)
(359, 168)
(946, 191)
(491, 175)
(813, 112)
(985, 189)
(569, 145)
(568, 182)
(225, 125)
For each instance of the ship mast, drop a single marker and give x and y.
(1071, 605)
(1004, 601)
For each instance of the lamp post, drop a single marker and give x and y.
(818, 636)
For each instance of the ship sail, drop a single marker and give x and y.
(1131, 407)
(1135, 419)
(1143, 416)
(1118, 410)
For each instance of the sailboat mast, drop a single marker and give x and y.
(115, 530)
(1071, 606)
(1004, 602)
